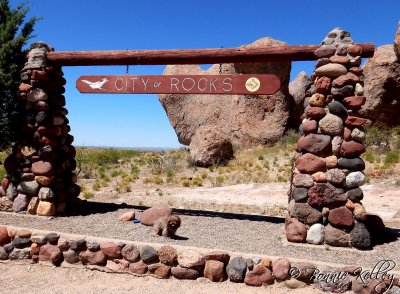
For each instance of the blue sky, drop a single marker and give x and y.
(140, 120)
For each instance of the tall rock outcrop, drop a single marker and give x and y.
(247, 120)
(299, 88)
(396, 43)
(382, 86)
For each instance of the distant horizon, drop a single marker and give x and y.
(136, 148)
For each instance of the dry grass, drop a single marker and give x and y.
(175, 168)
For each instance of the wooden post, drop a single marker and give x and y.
(192, 56)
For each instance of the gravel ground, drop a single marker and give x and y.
(259, 235)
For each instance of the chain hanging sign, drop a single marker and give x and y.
(250, 84)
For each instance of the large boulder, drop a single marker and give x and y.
(382, 86)
(297, 90)
(210, 146)
(247, 120)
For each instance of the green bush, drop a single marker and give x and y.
(186, 183)
(378, 135)
(134, 169)
(170, 173)
(369, 156)
(197, 182)
(290, 138)
(153, 180)
(391, 158)
(96, 186)
(115, 173)
(158, 180)
(88, 194)
(2, 172)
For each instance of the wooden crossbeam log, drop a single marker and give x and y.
(192, 56)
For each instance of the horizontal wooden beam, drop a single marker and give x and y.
(191, 56)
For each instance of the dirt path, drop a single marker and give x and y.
(37, 279)
(382, 198)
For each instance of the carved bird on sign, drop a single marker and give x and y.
(96, 85)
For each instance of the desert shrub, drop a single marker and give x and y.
(153, 180)
(104, 183)
(103, 157)
(191, 162)
(391, 158)
(156, 171)
(186, 183)
(204, 175)
(88, 194)
(2, 172)
(158, 180)
(197, 182)
(219, 180)
(377, 135)
(123, 187)
(369, 156)
(96, 186)
(135, 169)
(170, 173)
(282, 179)
(115, 173)
(104, 177)
(172, 160)
(290, 138)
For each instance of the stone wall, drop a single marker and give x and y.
(165, 261)
(40, 171)
(325, 196)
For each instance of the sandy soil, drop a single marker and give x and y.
(35, 278)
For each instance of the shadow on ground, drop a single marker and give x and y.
(92, 207)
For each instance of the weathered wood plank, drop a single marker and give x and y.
(180, 84)
(191, 56)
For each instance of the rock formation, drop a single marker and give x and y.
(382, 86)
(396, 43)
(210, 146)
(298, 89)
(247, 120)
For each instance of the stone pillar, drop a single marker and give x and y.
(325, 198)
(40, 171)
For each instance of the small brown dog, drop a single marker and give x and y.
(166, 226)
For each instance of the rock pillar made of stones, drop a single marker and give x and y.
(40, 171)
(325, 197)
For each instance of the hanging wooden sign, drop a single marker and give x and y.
(180, 84)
